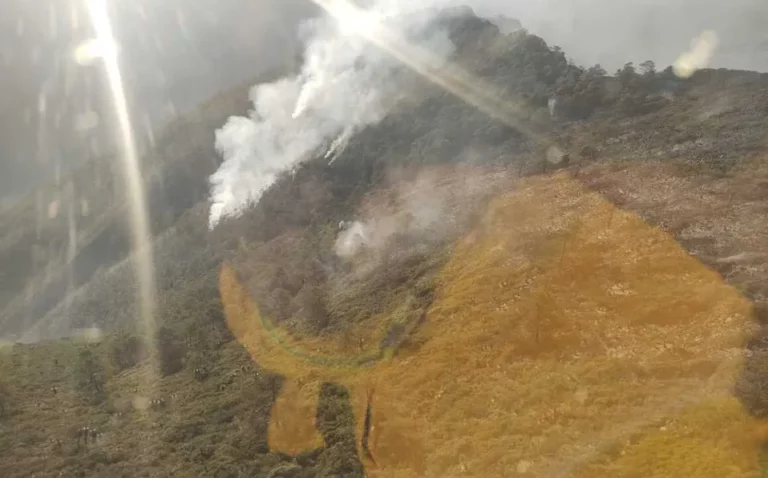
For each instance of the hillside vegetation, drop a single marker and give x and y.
(443, 299)
(57, 239)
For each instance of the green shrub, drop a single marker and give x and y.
(90, 376)
(170, 351)
(185, 432)
(125, 351)
(5, 399)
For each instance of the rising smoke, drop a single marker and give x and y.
(420, 213)
(344, 85)
(417, 208)
(424, 208)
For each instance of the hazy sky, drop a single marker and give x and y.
(612, 32)
(179, 52)
(54, 112)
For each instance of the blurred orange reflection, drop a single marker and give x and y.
(564, 333)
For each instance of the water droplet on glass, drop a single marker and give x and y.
(85, 209)
(53, 209)
(86, 121)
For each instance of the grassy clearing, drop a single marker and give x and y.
(562, 329)
(566, 337)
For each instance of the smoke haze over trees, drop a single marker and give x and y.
(552, 299)
(177, 53)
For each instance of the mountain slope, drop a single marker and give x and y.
(562, 331)
(57, 239)
(444, 298)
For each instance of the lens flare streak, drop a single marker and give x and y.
(105, 41)
(442, 73)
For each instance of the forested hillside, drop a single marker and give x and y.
(58, 238)
(451, 295)
(434, 127)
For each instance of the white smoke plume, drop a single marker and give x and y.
(419, 208)
(344, 85)
(416, 208)
(352, 239)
